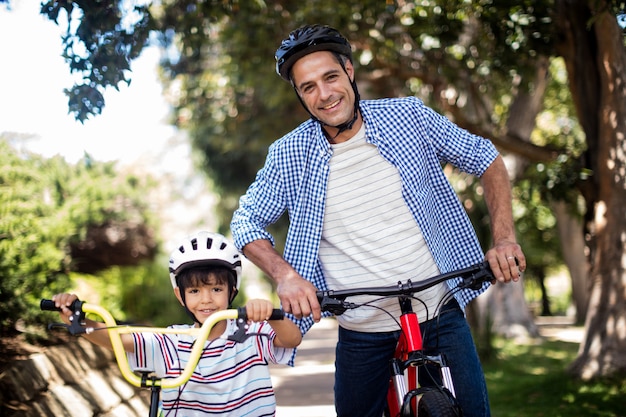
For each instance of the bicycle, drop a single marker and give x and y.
(145, 378)
(405, 398)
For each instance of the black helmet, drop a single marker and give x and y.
(308, 39)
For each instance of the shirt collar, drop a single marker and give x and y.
(372, 134)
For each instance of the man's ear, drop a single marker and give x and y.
(177, 293)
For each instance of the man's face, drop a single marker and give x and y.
(325, 88)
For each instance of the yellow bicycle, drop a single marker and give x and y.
(146, 379)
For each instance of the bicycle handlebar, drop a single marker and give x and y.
(472, 277)
(48, 305)
(202, 333)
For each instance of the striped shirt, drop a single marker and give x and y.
(362, 250)
(231, 379)
(410, 136)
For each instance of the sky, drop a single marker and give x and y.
(132, 126)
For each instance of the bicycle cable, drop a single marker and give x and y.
(388, 313)
(427, 372)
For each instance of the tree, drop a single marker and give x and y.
(484, 64)
(593, 47)
(100, 47)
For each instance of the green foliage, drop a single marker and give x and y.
(220, 62)
(532, 380)
(231, 101)
(535, 227)
(560, 301)
(561, 178)
(32, 236)
(140, 294)
(46, 205)
(233, 105)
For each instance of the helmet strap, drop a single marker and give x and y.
(231, 295)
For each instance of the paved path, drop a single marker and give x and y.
(306, 390)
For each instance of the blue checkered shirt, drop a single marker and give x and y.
(412, 137)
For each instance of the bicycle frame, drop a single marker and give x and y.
(409, 354)
(408, 358)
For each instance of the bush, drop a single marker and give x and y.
(46, 205)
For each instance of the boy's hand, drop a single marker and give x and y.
(62, 301)
(259, 310)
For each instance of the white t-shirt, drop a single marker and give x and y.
(370, 237)
(231, 379)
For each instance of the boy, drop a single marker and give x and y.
(231, 378)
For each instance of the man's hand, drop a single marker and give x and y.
(297, 296)
(507, 261)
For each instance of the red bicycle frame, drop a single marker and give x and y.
(407, 358)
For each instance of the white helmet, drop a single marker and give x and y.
(204, 249)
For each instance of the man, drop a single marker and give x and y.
(369, 204)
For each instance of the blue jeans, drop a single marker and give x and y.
(362, 365)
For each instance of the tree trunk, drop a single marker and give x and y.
(572, 240)
(522, 117)
(509, 313)
(596, 62)
(545, 299)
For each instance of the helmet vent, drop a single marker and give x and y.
(209, 243)
(223, 245)
(194, 244)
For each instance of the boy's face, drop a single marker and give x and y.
(204, 298)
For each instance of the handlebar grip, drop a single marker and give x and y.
(277, 314)
(48, 305)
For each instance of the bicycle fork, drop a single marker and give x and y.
(408, 358)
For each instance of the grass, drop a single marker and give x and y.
(527, 380)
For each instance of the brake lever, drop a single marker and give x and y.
(76, 326)
(476, 280)
(240, 335)
(52, 326)
(77, 319)
(333, 305)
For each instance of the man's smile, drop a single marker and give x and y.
(331, 105)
